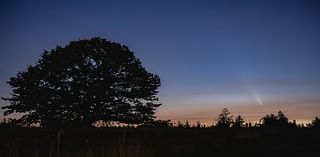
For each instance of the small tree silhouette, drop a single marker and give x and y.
(270, 120)
(224, 119)
(315, 123)
(198, 124)
(282, 119)
(187, 124)
(179, 124)
(238, 122)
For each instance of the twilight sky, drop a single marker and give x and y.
(253, 57)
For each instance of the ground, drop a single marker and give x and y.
(161, 142)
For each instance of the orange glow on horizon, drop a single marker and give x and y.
(207, 114)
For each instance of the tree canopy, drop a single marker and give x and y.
(271, 120)
(86, 81)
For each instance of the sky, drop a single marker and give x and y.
(251, 56)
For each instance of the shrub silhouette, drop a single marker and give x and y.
(86, 81)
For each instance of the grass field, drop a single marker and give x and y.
(145, 142)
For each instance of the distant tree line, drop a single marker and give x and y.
(224, 120)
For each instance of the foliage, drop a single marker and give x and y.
(198, 124)
(238, 122)
(315, 123)
(180, 124)
(224, 120)
(270, 120)
(86, 81)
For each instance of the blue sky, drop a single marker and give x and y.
(208, 53)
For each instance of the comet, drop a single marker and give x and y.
(253, 93)
(258, 99)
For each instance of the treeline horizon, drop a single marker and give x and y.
(224, 120)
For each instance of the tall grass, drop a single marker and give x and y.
(175, 142)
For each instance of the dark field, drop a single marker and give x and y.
(175, 142)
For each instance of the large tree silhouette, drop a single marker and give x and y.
(86, 81)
